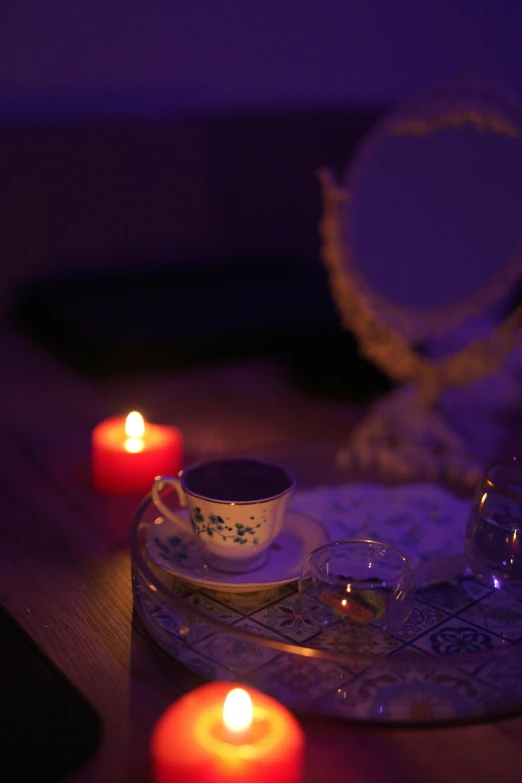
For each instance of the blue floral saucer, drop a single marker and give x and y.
(181, 553)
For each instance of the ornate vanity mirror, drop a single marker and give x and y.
(422, 241)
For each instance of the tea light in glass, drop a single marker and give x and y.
(359, 586)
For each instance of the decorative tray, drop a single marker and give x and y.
(458, 657)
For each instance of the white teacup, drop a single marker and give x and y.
(235, 506)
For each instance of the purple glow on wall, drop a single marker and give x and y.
(111, 56)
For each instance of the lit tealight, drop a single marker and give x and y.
(219, 733)
(238, 711)
(134, 431)
(128, 452)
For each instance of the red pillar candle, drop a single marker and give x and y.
(200, 739)
(128, 453)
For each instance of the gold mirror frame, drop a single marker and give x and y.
(387, 333)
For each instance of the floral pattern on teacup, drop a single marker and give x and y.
(215, 525)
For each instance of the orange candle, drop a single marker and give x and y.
(128, 453)
(221, 734)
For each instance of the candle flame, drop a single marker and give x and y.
(134, 429)
(134, 425)
(238, 710)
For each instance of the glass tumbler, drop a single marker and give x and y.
(494, 528)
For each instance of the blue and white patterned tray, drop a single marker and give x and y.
(457, 657)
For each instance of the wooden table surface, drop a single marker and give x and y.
(65, 573)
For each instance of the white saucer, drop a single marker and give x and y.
(181, 553)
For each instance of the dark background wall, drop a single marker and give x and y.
(160, 133)
(61, 56)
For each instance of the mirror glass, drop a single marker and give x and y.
(434, 219)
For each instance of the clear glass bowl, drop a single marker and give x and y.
(456, 658)
(362, 587)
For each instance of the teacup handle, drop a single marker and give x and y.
(159, 483)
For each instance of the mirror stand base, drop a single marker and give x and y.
(400, 438)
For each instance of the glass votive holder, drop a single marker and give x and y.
(359, 585)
